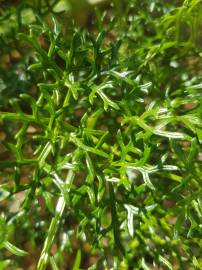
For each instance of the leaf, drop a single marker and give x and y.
(145, 173)
(146, 154)
(169, 134)
(4, 265)
(44, 153)
(13, 249)
(77, 261)
(157, 131)
(107, 101)
(91, 195)
(147, 180)
(90, 167)
(123, 76)
(57, 27)
(199, 134)
(100, 38)
(112, 179)
(178, 151)
(53, 263)
(143, 264)
(196, 263)
(88, 148)
(131, 212)
(4, 193)
(3, 232)
(144, 87)
(101, 188)
(165, 262)
(49, 201)
(92, 120)
(192, 153)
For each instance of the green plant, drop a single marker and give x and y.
(106, 150)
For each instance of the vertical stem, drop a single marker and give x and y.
(115, 222)
(43, 260)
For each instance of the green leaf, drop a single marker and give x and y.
(53, 263)
(131, 212)
(49, 201)
(13, 249)
(3, 232)
(165, 262)
(90, 167)
(107, 101)
(87, 148)
(77, 261)
(44, 153)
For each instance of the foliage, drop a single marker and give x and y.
(105, 152)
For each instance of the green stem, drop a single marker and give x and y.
(43, 260)
(115, 222)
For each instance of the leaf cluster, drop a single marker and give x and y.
(106, 150)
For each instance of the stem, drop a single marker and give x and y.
(43, 260)
(115, 222)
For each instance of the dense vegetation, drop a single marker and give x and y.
(100, 134)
